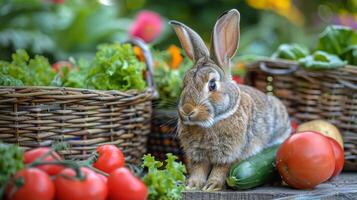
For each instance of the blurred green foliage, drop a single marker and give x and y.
(58, 31)
(169, 81)
(76, 27)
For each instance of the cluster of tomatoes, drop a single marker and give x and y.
(313, 155)
(48, 177)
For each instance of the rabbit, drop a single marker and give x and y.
(220, 122)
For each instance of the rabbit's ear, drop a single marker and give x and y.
(225, 39)
(191, 42)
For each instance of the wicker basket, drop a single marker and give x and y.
(326, 94)
(40, 116)
(163, 137)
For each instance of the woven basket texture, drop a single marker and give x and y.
(320, 94)
(84, 119)
(163, 137)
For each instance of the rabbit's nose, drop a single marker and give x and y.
(188, 111)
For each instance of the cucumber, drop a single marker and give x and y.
(254, 171)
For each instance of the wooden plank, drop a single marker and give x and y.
(342, 187)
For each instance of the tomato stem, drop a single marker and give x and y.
(67, 163)
(97, 170)
(40, 158)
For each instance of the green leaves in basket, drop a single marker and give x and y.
(291, 51)
(164, 182)
(321, 60)
(350, 55)
(23, 70)
(115, 67)
(10, 162)
(335, 39)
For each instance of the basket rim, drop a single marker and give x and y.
(130, 92)
(285, 62)
(344, 75)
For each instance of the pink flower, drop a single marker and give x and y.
(57, 1)
(147, 26)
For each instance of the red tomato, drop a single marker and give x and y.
(110, 158)
(103, 178)
(33, 154)
(58, 65)
(123, 185)
(339, 156)
(36, 185)
(91, 188)
(305, 160)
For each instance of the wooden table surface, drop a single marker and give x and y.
(342, 187)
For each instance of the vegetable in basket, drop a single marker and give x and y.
(115, 67)
(350, 55)
(335, 39)
(321, 60)
(291, 51)
(23, 70)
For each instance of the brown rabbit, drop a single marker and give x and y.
(221, 122)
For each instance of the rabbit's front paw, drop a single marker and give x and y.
(213, 185)
(195, 183)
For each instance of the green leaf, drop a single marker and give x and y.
(350, 55)
(334, 39)
(11, 160)
(291, 51)
(115, 68)
(164, 181)
(321, 60)
(23, 70)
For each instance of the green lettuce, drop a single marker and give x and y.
(291, 51)
(321, 60)
(335, 39)
(23, 70)
(164, 182)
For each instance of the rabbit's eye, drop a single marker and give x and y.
(212, 85)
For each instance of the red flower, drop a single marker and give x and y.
(147, 26)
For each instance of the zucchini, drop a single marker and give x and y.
(254, 171)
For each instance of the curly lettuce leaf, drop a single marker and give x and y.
(23, 70)
(164, 182)
(116, 68)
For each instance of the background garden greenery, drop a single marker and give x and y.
(62, 28)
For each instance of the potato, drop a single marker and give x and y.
(323, 127)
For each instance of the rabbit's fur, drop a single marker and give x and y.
(221, 122)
